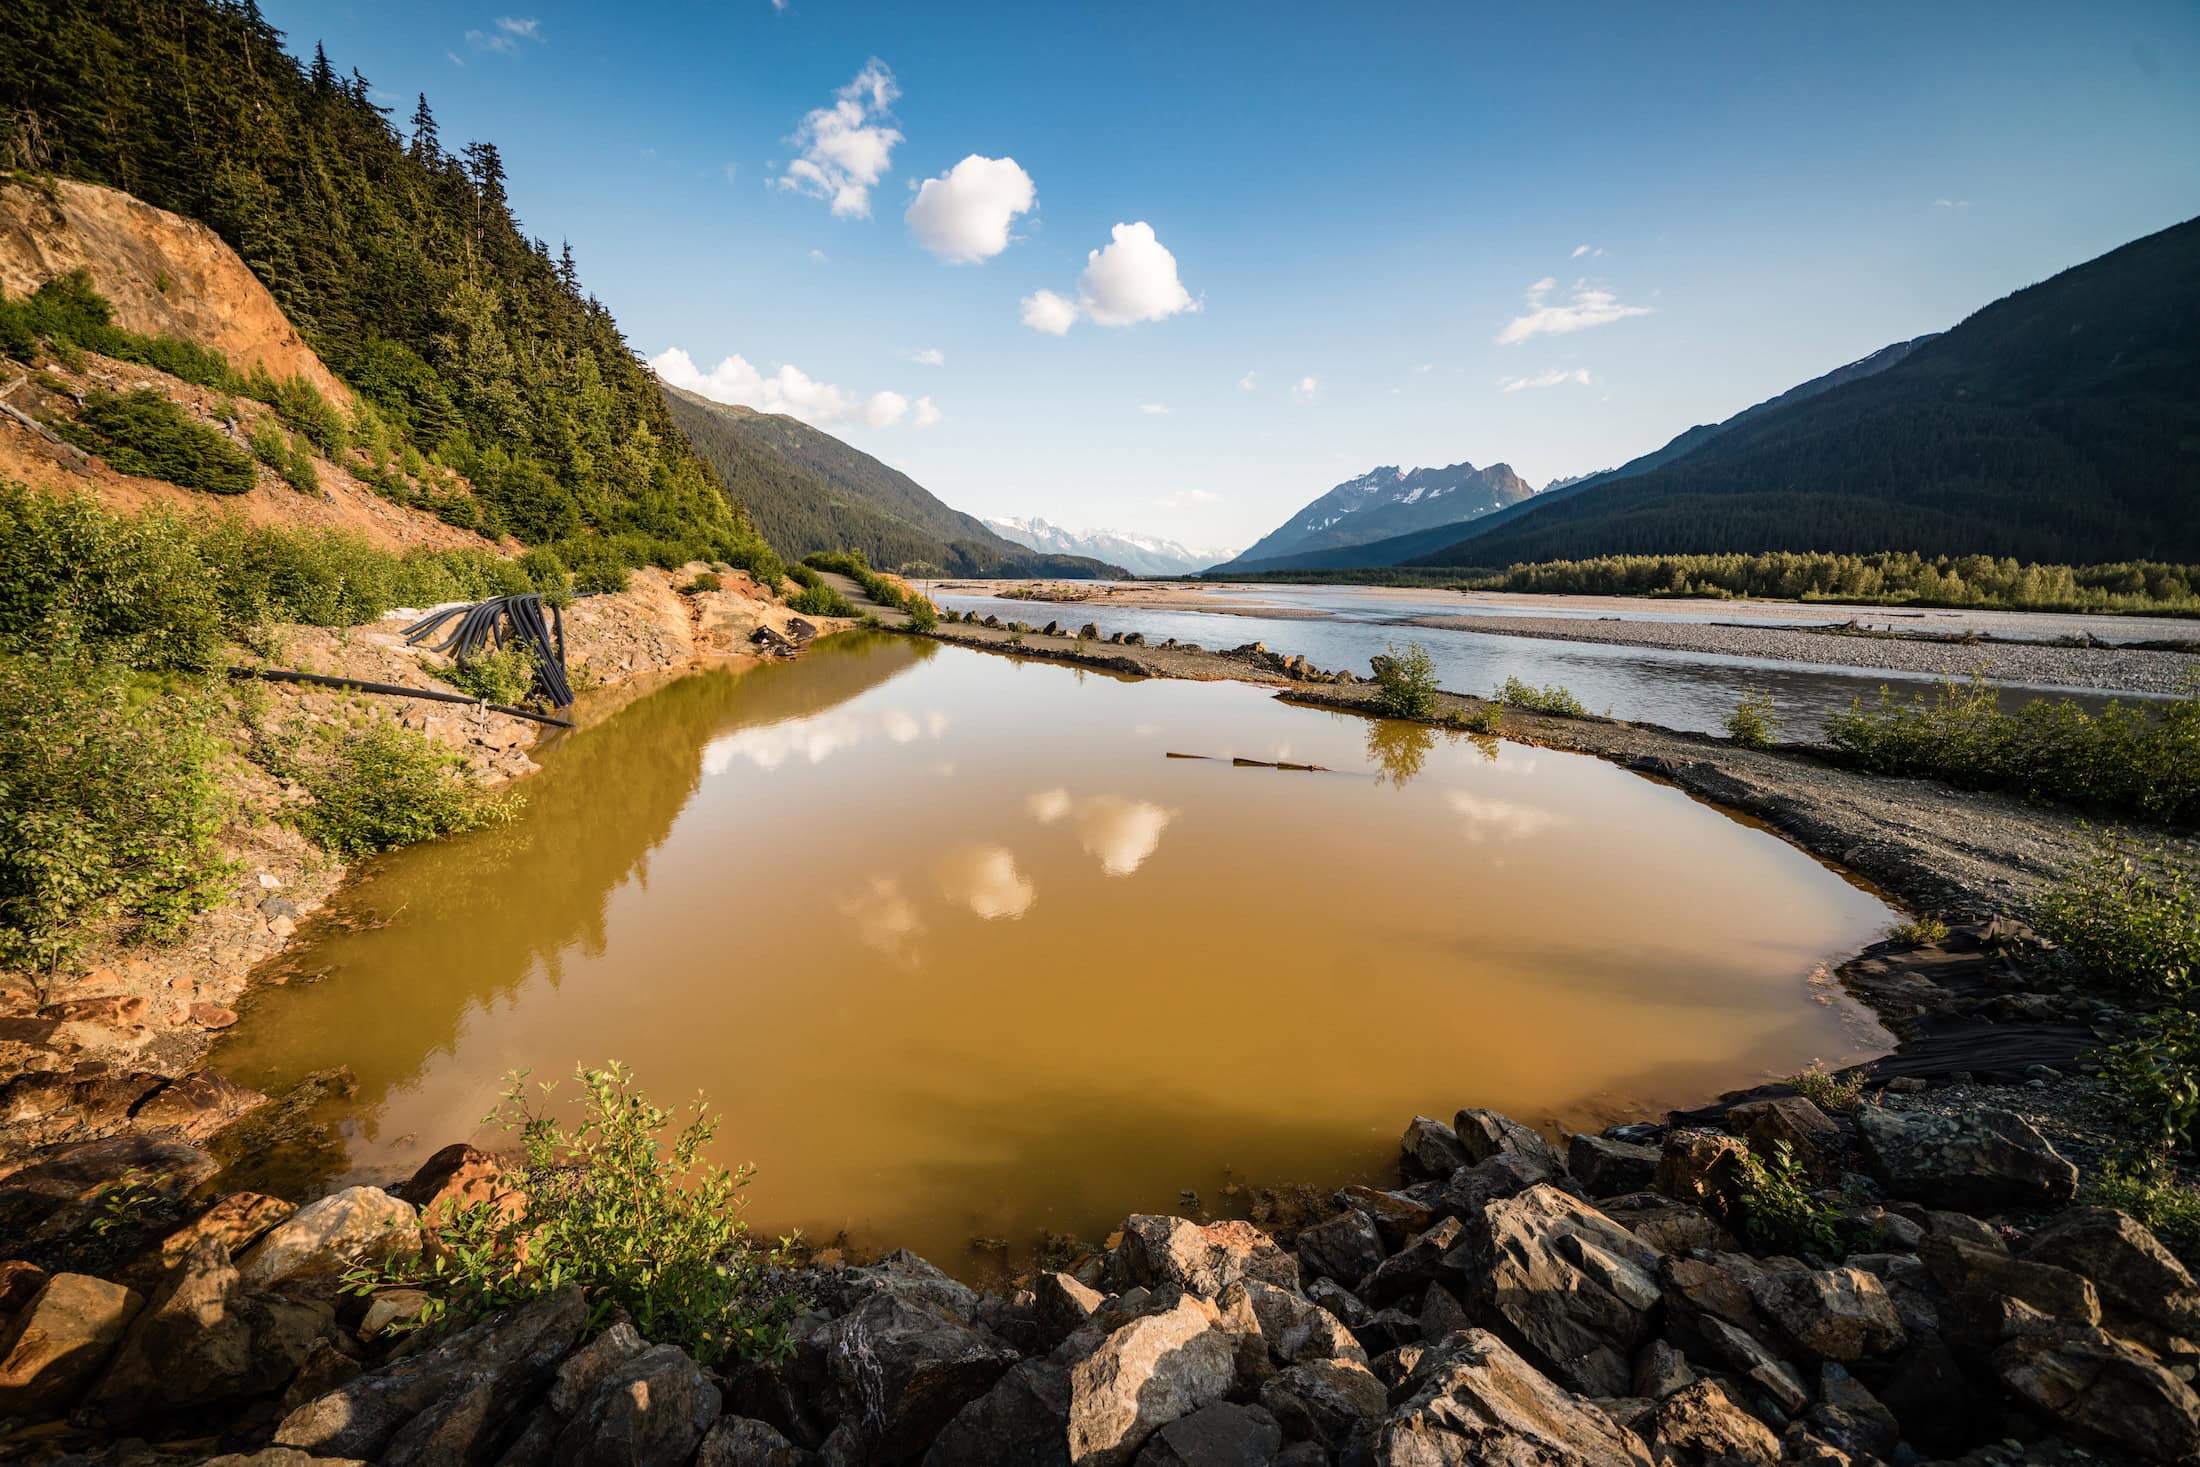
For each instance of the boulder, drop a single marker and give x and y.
(1200, 1260)
(1848, 1416)
(205, 1338)
(1701, 1423)
(1606, 1167)
(1145, 1375)
(1023, 1421)
(1468, 1190)
(651, 1410)
(580, 1373)
(1745, 1354)
(392, 1309)
(236, 1221)
(1703, 1169)
(52, 1197)
(1442, 1316)
(2128, 1265)
(1811, 1136)
(1488, 1133)
(459, 1177)
(1220, 1435)
(1061, 1304)
(313, 1249)
(20, 1281)
(1345, 1248)
(1975, 1275)
(1295, 1329)
(2083, 1379)
(1980, 1161)
(1396, 1215)
(903, 1368)
(1471, 1401)
(512, 1354)
(195, 1107)
(1661, 1370)
(1668, 1226)
(1430, 1149)
(1575, 1289)
(1407, 1273)
(1340, 1301)
(743, 1441)
(1329, 1401)
(1834, 1313)
(54, 1346)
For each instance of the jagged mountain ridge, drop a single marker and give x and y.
(1386, 502)
(1141, 555)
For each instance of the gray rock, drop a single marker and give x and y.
(1573, 1287)
(2128, 1265)
(1668, 1226)
(1468, 1190)
(1488, 1133)
(1407, 1273)
(1472, 1402)
(1340, 1301)
(1397, 1215)
(54, 1347)
(1810, 1136)
(313, 1249)
(743, 1441)
(1979, 1161)
(1295, 1329)
(1442, 1316)
(1850, 1417)
(1703, 1422)
(1747, 1355)
(1329, 1401)
(514, 1353)
(1220, 1435)
(1145, 1375)
(1023, 1421)
(52, 1197)
(1975, 1276)
(2085, 1380)
(1430, 1150)
(1608, 1168)
(903, 1370)
(1834, 1313)
(1704, 1170)
(1200, 1260)
(1345, 1248)
(588, 1365)
(1661, 1370)
(649, 1411)
(1061, 1304)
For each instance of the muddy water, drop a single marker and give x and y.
(962, 953)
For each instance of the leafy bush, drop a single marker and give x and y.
(1778, 1211)
(803, 576)
(2142, 759)
(109, 805)
(1830, 1093)
(632, 1215)
(707, 581)
(505, 676)
(69, 313)
(1553, 700)
(144, 433)
(1919, 931)
(2156, 1077)
(923, 615)
(2150, 1192)
(385, 786)
(2129, 913)
(287, 457)
(1751, 724)
(1405, 682)
(1486, 719)
(820, 600)
(301, 405)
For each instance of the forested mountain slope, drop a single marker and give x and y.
(397, 258)
(2061, 424)
(810, 491)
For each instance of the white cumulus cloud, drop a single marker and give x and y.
(1133, 279)
(787, 389)
(1048, 312)
(1556, 377)
(963, 216)
(1586, 305)
(1305, 390)
(846, 148)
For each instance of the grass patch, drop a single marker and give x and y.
(1486, 719)
(2140, 760)
(144, 433)
(1919, 931)
(1405, 682)
(1752, 724)
(2150, 1192)
(1553, 700)
(707, 581)
(385, 786)
(1830, 1093)
(622, 1204)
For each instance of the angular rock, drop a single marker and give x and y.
(1329, 1401)
(195, 1107)
(392, 1309)
(2083, 1379)
(459, 1177)
(1661, 1370)
(1577, 1290)
(1488, 1133)
(20, 1281)
(1472, 1401)
(52, 1196)
(1974, 1275)
(1980, 1161)
(1468, 1190)
(1144, 1376)
(1811, 1136)
(1340, 1301)
(1668, 1226)
(1850, 1417)
(1608, 1168)
(1023, 1421)
(54, 1347)
(743, 1441)
(1061, 1304)
(587, 1367)
(1220, 1435)
(1702, 1421)
(1442, 1316)
(903, 1368)
(236, 1221)
(1430, 1150)
(1703, 1169)
(1834, 1313)
(1396, 1215)
(313, 1249)
(2128, 1265)
(205, 1338)
(513, 1353)
(1746, 1354)
(1201, 1260)
(1295, 1329)
(1407, 1273)
(1345, 1248)
(649, 1411)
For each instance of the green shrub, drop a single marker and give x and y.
(804, 577)
(505, 676)
(1485, 719)
(1553, 700)
(301, 405)
(2129, 914)
(820, 600)
(75, 318)
(385, 786)
(2145, 760)
(144, 433)
(1919, 931)
(2156, 1077)
(2150, 1192)
(1751, 724)
(1778, 1212)
(623, 1205)
(109, 805)
(286, 455)
(923, 615)
(1405, 682)
(1830, 1093)
(707, 581)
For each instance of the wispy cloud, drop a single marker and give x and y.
(1590, 250)
(845, 149)
(1586, 306)
(1556, 377)
(507, 36)
(1951, 203)
(1154, 409)
(1248, 382)
(1184, 498)
(931, 356)
(1306, 389)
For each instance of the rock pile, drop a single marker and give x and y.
(1509, 1302)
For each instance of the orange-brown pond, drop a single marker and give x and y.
(962, 953)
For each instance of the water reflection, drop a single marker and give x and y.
(763, 886)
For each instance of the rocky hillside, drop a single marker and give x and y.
(1141, 555)
(809, 491)
(1379, 505)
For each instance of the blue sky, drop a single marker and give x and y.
(1359, 201)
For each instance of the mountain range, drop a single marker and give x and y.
(809, 491)
(1141, 555)
(1380, 505)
